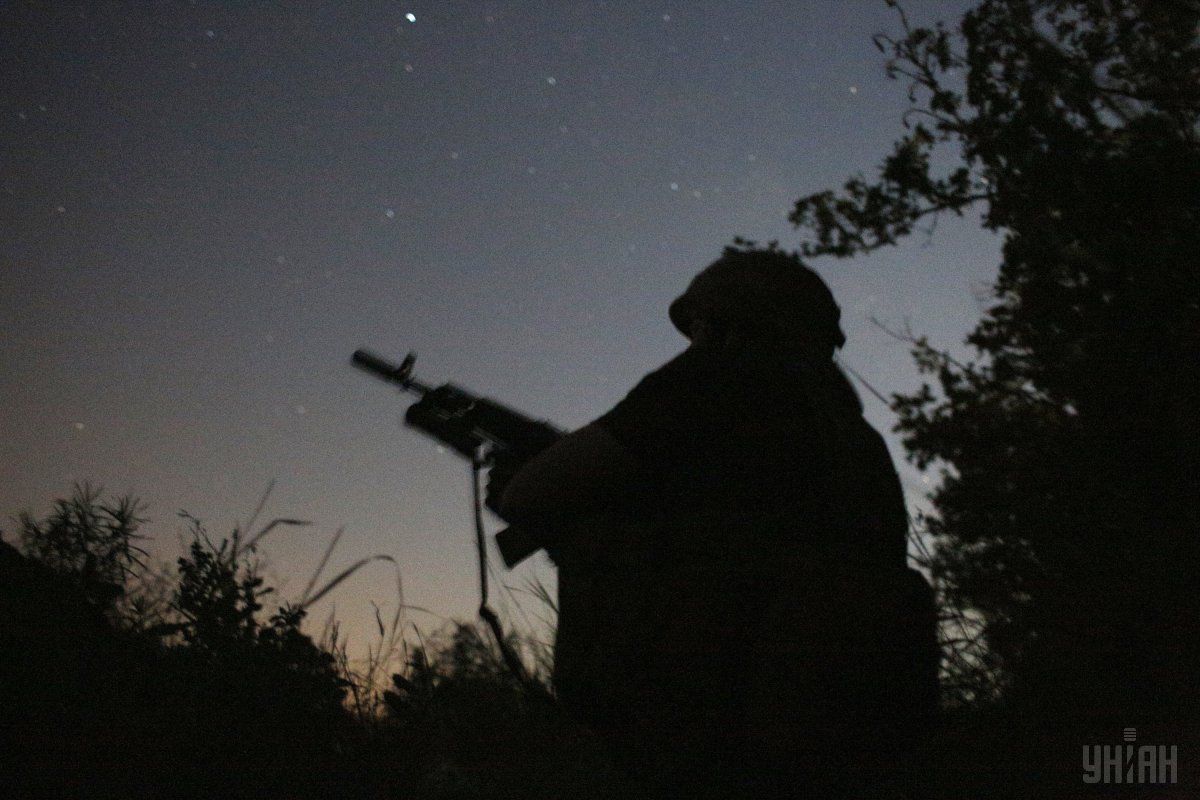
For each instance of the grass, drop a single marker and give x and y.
(120, 680)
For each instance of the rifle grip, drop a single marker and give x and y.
(516, 544)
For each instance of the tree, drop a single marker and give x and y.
(1065, 517)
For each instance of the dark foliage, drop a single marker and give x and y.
(116, 683)
(89, 539)
(1066, 514)
(470, 729)
(211, 702)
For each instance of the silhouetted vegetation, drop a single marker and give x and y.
(1065, 515)
(118, 681)
(1065, 518)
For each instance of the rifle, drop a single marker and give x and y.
(478, 429)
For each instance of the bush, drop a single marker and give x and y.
(121, 681)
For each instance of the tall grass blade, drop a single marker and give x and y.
(343, 575)
(337, 536)
(272, 525)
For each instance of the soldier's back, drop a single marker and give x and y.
(733, 627)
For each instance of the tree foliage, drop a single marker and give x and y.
(1065, 515)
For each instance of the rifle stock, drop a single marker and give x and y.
(517, 544)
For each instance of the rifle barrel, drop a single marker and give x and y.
(394, 373)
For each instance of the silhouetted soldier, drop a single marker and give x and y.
(736, 615)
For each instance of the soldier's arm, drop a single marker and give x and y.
(584, 471)
(602, 464)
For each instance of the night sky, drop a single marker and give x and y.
(206, 207)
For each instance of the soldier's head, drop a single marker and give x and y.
(760, 293)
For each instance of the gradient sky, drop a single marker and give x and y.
(206, 207)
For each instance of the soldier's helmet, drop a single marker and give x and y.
(766, 290)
